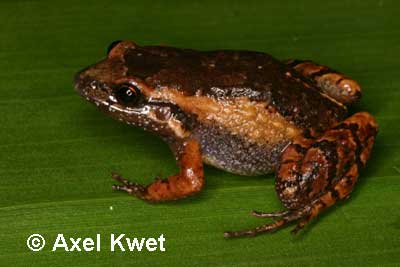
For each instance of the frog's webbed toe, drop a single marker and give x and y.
(314, 174)
(189, 181)
(337, 85)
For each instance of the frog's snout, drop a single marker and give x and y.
(80, 83)
(90, 81)
(90, 88)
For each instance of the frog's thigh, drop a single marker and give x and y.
(337, 85)
(340, 189)
(314, 174)
(189, 180)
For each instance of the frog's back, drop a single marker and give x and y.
(230, 74)
(247, 105)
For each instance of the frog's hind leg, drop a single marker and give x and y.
(336, 85)
(189, 181)
(316, 173)
(303, 215)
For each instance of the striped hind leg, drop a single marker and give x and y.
(314, 174)
(341, 190)
(335, 84)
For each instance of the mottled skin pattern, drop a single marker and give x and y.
(240, 111)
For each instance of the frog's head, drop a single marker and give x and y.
(110, 85)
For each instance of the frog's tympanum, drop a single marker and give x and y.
(243, 112)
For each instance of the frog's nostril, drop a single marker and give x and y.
(112, 45)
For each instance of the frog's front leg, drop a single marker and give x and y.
(314, 174)
(189, 180)
(333, 83)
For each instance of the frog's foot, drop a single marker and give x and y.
(341, 190)
(189, 181)
(314, 174)
(336, 85)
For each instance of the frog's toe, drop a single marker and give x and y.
(127, 186)
(300, 225)
(286, 217)
(120, 179)
(261, 214)
(266, 228)
(132, 189)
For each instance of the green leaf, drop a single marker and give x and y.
(57, 151)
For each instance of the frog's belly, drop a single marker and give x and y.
(235, 154)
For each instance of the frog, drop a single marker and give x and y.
(240, 111)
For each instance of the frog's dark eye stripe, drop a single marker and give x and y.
(112, 45)
(127, 94)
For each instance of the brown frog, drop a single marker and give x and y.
(240, 111)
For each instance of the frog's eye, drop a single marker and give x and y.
(112, 45)
(127, 94)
